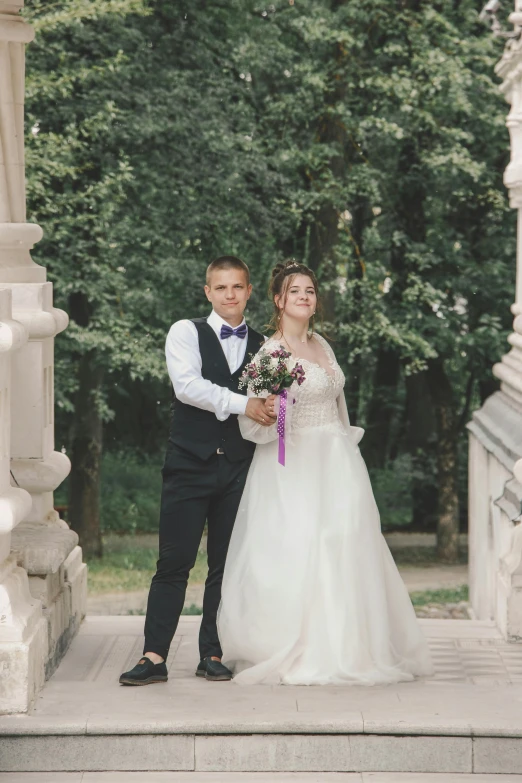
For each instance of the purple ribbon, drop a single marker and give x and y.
(281, 417)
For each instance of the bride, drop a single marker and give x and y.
(311, 594)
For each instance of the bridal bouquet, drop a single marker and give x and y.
(271, 371)
(274, 372)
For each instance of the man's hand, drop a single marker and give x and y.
(257, 411)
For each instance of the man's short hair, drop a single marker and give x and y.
(227, 262)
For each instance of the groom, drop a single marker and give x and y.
(205, 468)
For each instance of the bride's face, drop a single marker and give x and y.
(299, 301)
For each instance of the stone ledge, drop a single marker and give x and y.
(22, 671)
(73, 564)
(333, 754)
(231, 777)
(46, 588)
(43, 754)
(42, 549)
(495, 755)
(497, 425)
(258, 753)
(241, 724)
(254, 777)
(244, 724)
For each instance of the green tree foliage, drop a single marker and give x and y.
(365, 138)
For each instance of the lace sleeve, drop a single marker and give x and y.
(354, 433)
(251, 430)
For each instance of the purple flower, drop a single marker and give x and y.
(280, 353)
(261, 374)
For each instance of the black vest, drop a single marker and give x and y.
(200, 432)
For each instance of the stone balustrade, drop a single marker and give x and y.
(495, 442)
(42, 577)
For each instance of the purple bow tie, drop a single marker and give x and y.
(227, 331)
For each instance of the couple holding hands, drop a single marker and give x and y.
(301, 587)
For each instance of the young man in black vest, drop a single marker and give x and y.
(205, 468)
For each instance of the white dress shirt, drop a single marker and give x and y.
(184, 366)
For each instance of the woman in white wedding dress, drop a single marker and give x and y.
(311, 594)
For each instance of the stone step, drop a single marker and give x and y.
(263, 752)
(251, 777)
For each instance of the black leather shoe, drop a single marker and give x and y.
(213, 670)
(144, 673)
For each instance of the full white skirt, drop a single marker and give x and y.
(311, 594)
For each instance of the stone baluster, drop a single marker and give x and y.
(44, 552)
(23, 628)
(495, 457)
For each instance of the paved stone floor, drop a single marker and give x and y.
(478, 679)
(474, 698)
(464, 652)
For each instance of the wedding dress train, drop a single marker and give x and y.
(311, 594)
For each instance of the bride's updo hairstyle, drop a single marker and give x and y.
(282, 278)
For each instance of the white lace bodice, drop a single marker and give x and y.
(319, 401)
(316, 398)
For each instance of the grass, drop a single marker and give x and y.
(446, 595)
(129, 563)
(422, 556)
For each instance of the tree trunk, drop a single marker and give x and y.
(410, 219)
(324, 231)
(447, 462)
(381, 409)
(86, 441)
(86, 451)
(421, 437)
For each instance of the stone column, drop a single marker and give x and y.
(50, 576)
(495, 456)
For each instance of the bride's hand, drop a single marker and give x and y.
(270, 405)
(257, 411)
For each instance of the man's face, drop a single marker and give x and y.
(229, 293)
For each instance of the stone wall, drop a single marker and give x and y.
(42, 577)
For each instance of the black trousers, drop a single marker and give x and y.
(194, 491)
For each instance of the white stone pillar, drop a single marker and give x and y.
(45, 559)
(517, 306)
(495, 454)
(23, 629)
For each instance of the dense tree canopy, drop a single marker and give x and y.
(366, 139)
